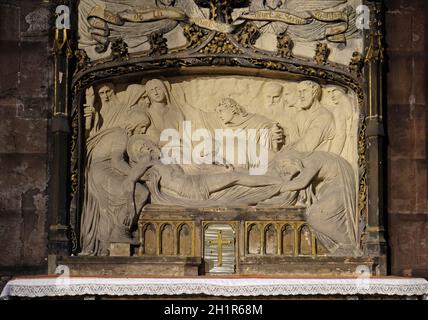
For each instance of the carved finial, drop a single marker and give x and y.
(321, 54)
(158, 44)
(119, 50)
(284, 45)
(356, 64)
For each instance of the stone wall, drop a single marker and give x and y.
(407, 125)
(25, 104)
(25, 89)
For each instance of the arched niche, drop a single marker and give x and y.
(287, 237)
(167, 240)
(150, 240)
(271, 240)
(184, 240)
(305, 243)
(254, 240)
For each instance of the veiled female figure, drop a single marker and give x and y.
(162, 111)
(329, 182)
(110, 201)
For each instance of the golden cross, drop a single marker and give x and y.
(220, 242)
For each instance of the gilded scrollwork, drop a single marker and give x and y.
(74, 152)
(362, 164)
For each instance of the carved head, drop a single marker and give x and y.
(335, 94)
(141, 149)
(308, 92)
(106, 92)
(228, 108)
(273, 93)
(289, 95)
(157, 91)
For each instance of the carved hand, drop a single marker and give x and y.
(89, 112)
(90, 97)
(130, 128)
(127, 221)
(277, 134)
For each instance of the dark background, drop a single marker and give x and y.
(25, 109)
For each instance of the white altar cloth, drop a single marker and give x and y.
(221, 287)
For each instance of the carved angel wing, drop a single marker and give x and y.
(299, 6)
(257, 5)
(190, 8)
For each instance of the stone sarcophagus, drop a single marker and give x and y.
(220, 137)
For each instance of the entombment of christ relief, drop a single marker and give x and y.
(282, 144)
(227, 131)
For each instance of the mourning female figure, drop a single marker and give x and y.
(111, 203)
(329, 183)
(162, 111)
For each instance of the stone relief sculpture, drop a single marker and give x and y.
(230, 115)
(161, 107)
(111, 110)
(315, 124)
(170, 184)
(338, 103)
(154, 27)
(328, 181)
(306, 160)
(134, 20)
(109, 206)
(280, 106)
(312, 20)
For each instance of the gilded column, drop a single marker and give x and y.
(374, 242)
(59, 243)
